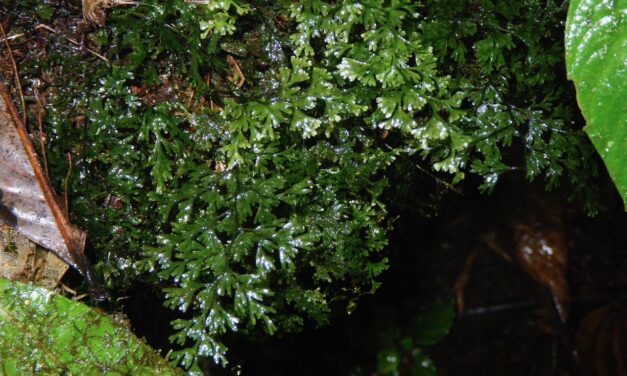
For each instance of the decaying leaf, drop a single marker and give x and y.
(27, 200)
(542, 252)
(602, 341)
(95, 10)
(24, 261)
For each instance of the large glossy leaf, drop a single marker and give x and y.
(596, 58)
(47, 334)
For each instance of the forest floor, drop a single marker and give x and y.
(509, 325)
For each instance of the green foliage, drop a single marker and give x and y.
(318, 200)
(222, 16)
(257, 216)
(432, 325)
(47, 334)
(403, 346)
(596, 52)
(253, 216)
(507, 58)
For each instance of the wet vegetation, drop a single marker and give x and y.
(260, 168)
(46, 334)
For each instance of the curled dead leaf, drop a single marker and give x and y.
(95, 11)
(542, 252)
(28, 203)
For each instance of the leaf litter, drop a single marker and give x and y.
(27, 201)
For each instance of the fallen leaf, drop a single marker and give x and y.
(24, 261)
(542, 252)
(27, 200)
(95, 11)
(602, 341)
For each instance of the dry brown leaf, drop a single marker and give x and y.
(602, 341)
(27, 202)
(24, 261)
(542, 252)
(95, 10)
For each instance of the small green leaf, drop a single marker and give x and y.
(432, 325)
(388, 361)
(422, 365)
(596, 58)
(51, 334)
(45, 11)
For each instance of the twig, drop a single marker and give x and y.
(490, 241)
(235, 66)
(80, 297)
(42, 138)
(73, 292)
(13, 37)
(18, 83)
(499, 308)
(67, 185)
(440, 181)
(69, 290)
(73, 41)
(462, 281)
